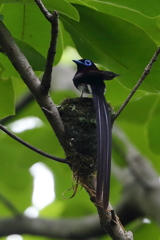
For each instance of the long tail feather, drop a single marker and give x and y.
(103, 146)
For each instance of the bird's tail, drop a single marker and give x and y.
(104, 139)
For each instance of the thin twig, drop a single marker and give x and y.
(53, 19)
(9, 205)
(144, 75)
(45, 12)
(62, 160)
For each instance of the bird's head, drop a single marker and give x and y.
(85, 65)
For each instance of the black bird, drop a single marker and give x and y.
(89, 79)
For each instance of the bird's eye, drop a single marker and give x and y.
(88, 63)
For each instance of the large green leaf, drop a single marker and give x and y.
(61, 6)
(6, 94)
(36, 60)
(121, 46)
(84, 3)
(138, 110)
(149, 8)
(150, 25)
(67, 41)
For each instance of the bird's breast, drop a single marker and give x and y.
(84, 88)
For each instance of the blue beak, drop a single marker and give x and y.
(77, 61)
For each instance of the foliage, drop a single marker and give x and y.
(120, 36)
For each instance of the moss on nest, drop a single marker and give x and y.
(78, 116)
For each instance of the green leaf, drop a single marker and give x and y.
(6, 94)
(139, 108)
(59, 46)
(66, 38)
(61, 6)
(87, 3)
(36, 60)
(121, 46)
(149, 8)
(149, 25)
(1, 17)
(11, 71)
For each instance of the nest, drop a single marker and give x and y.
(78, 116)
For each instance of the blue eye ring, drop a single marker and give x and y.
(88, 63)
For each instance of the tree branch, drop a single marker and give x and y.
(62, 160)
(144, 75)
(72, 228)
(109, 220)
(22, 66)
(50, 228)
(53, 19)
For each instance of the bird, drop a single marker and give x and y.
(89, 79)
